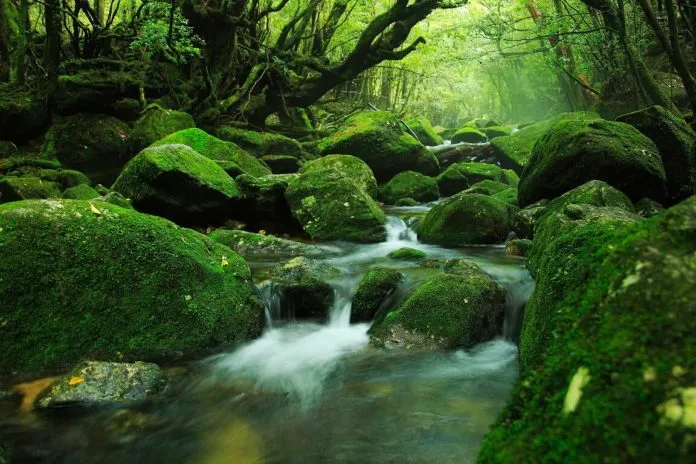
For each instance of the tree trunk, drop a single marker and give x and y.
(5, 18)
(21, 52)
(52, 52)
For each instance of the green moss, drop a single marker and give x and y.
(332, 207)
(108, 283)
(467, 219)
(216, 149)
(250, 244)
(406, 202)
(469, 135)
(81, 192)
(409, 184)
(488, 187)
(23, 113)
(476, 172)
(94, 144)
(619, 307)
(26, 188)
(518, 247)
(22, 163)
(373, 290)
(66, 178)
(351, 167)
(450, 311)
(305, 292)
(497, 131)
(157, 123)
(509, 196)
(510, 177)
(451, 181)
(648, 208)
(408, 254)
(573, 152)
(261, 143)
(425, 131)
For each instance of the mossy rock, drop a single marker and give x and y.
(26, 188)
(469, 135)
(458, 309)
(216, 149)
(373, 292)
(493, 132)
(518, 247)
(305, 292)
(81, 192)
(175, 182)
(515, 151)
(351, 167)
(675, 141)
(265, 207)
(115, 198)
(648, 208)
(467, 218)
(261, 143)
(509, 196)
(25, 164)
(408, 254)
(487, 187)
(425, 131)
(95, 144)
(23, 113)
(379, 139)
(96, 88)
(253, 244)
(574, 152)
(142, 288)
(476, 172)
(66, 178)
(451, 181)
(155, 124)
(524, 221)
(409, 184)
(616, 381)
(281, 164)
(330, 206)
(510, 178)
(7, 149)
(406, 202)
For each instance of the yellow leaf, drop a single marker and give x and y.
(574, 393)
(94, 209)
(76, 380)
(224, 262)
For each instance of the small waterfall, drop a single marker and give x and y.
(270, 294)
(398, 230)
(517, 295)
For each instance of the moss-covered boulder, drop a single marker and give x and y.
(469, 135)
(467, 218)
(408, 254)
(451, 181)
(487, 187)
(379, 139)
(458, 309)
(424, 131)
(675, 141)
(524, 220)
(406, 202)
(515, 150)
(155, 124)
(252, 244)
(118, 284)
(616, 380)
(281, 164)
(261, 143)
(26, 188)
(518, 247)
(330, 206)
(509, 196)
(648, 208)
(176, 182)
(373, 293)
(497, 131)
(305, 292)
(65, 178)
(476, 172)
(216, 149)
(265, 206)
(409, 184)
(95, 144)
(81, 192)
(574, 152)
(351, 167)
(23, 114)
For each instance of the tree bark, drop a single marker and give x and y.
(52, 52)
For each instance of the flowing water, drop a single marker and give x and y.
(308, 392)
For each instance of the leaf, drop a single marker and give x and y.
(94, 209)
(76, 380)
(224, 262)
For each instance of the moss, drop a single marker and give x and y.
(332, 207)
(648, 208)
(216, 149)
(510, 177)
(477, 172)
(406, 202)
(96, 89)
(66, 178)
(425, 131)
(305, 292)
(493, 132)
(509, 196)
(265, 207)
(487, 187)
(469, 135)
(408, 254)
(23, 163)
(574, 152)
(261, 143)
(94, 144)
(106, 282)
(467, 219)
(378, 138)
(518, 247)
(515, 151)
(81, 192)
(449, 311)
(372, 292)
(451, 181)
(675, 141)
(409, 184)
(281, 164)
(157, 123)
(524, 221)
(251, 244)
(620, 308)
(26, 188)
(351, 167)
(23, 113)
(7, 149)
(176, 182)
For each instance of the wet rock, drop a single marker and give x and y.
(304, 287)
(23, 113)
(518, 247)
(373, 292)
(96, 383)
(408, 254)
(409, 184)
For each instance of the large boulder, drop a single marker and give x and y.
(26, 188)
(379, 139)
(469, 135)
(575, 151)
(675, 140)
(95, 144)
(99, 383)
(80, 192)
(261, 143)
(451, 181)
(350, 166)
(157, 123)
(458, 309)
(424, 131)
(515, 150)
(216, 149)
(176, 182)
(265, 207)
(117, 284)
(331, 206)
(476, 172)
(409, 184)
(373, 292)
(467, 218)
(616, 379)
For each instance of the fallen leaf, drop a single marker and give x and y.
(75, 380)
(224, 262)
(94, 209)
